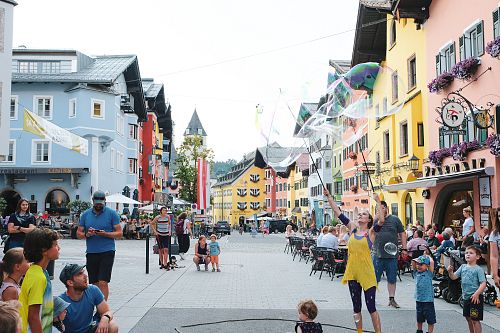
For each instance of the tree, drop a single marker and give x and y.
(187, 155)
(3, 205)
(78, 206)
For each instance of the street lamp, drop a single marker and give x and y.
(414, 163)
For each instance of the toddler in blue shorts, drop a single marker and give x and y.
(424, 293)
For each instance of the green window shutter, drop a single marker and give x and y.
(495, 24)
(480, 38)
(438, 66)
(453, 60)
(461, 47)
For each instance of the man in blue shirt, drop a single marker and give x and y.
(100, 226)
(83, 299)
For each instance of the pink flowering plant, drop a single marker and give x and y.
(465, 68)
(493, 142)
(493, 47)
(436, 156)
(460, 150)
(440, 82)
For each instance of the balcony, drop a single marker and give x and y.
(254, 178)
(125, 104)
(254, 192)
(255, 205)
(242, 205)
(242, 192)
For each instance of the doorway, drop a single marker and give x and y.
(12, 197)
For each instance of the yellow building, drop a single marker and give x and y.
(300, 210)
(239, 194)
(397, 140)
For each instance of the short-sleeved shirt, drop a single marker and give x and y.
(416, 244)
(214, 248)
(472, 277)
(433, 242)
(424, 292)
(37, 290)
(329, 241)
(467, 226)
(163, 226)
(495, 238)
(389, 232)
(105, 220)
(23, 221)
(80, 313)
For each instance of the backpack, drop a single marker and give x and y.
(179, 227)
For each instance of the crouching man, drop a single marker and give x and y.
(84, 299)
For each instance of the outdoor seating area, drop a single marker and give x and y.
(322, 260)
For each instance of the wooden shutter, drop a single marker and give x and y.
(480, 38)
(495, 24)
(438, 64)
(461, 47)
(453, 58)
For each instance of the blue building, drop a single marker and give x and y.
(99, 98)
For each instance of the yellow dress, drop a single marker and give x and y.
(360, 264)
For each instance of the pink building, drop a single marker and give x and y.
(458, 30)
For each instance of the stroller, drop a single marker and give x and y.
(450, 290)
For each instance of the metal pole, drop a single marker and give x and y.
(147, 252)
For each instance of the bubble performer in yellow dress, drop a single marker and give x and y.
(359, 273)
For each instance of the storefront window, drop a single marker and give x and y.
(56, 202)
(453, 216)
(408, 210)
(394, 209)
(419, 210)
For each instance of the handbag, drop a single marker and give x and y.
(156, 249)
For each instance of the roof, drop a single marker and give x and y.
(10, 1)
(156, 102)
(274, 154)
(151, 89)
(237, 170)
(305, 112)
(194, 125)
(341, 66)
(384, 5)
(371, 36)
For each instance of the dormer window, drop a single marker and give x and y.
(27, 67)
(200, 131)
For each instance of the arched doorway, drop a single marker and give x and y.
(451, 200)
(56, 201)
(12, 197)
(408, 210)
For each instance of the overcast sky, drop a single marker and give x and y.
(171, 38)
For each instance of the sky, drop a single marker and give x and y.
(218, 56)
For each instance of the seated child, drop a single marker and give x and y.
(307, 313)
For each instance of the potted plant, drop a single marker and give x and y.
(436, 156)
(440, 82)
(459, 151)
(352, 155)
(493, 48)
(493, 142)
(354, 188)
(464, 69)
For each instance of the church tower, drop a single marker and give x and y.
(196, 128)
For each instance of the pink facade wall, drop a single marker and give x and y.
(448, 21)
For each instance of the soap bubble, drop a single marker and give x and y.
(391, 248)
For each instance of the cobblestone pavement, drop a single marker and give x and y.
(257, 281)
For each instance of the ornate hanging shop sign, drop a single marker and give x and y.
(456, 111)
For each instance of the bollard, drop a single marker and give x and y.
(147, 252)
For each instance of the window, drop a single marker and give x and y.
(72, 108)
(51, 67)
(113, 159)
(13, 107)
(496, 27)
(419, 212)
(403, 139)
(132, 131)
(132, 165)
(43, 106)
(445, 59)
(119, 124)
(471, 43)
(392, 38)
(394, 81)
(97, 109)
(41, 151)
(27, 67)
(420, 134)
(412, 72)
(11, 157)
(384, 107)
(200, 131)
(394, 209)
(387, 147)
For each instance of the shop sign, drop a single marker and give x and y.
(484, 192)
(453, 114)
(34, 171)
(454, 168)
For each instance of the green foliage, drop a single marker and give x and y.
(187, 154)
(220, 168)
(78, 206)
(3, 205)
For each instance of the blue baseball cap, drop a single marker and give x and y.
(422, 260)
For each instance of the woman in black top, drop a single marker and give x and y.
(201, 253)
(20, 223)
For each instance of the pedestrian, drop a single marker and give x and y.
(100, 226)
(360, 273)
(10, 321)
(60, 311)
(253, 230)
(473, 283)
(13, 267)
(214, 252)
(468, 228)
(37, 308)
(21, 222)
(308, 311)
(163, 232)
(494, 241)
(183, 231)
(388, 229)
(424, 293)
(201, 254)
(242, 227)
(84, 300)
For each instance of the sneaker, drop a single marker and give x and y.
(181, 255)
(218, 270)
(393, 303)
(213, 269)
(198, 268)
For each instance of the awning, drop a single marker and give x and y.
(427, 182)
(259, 214)
(297, 210)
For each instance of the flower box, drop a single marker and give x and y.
(440, 82)
(352, 155)
(493, 142)
(354, 188)
(493, 48)
(465, 69)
